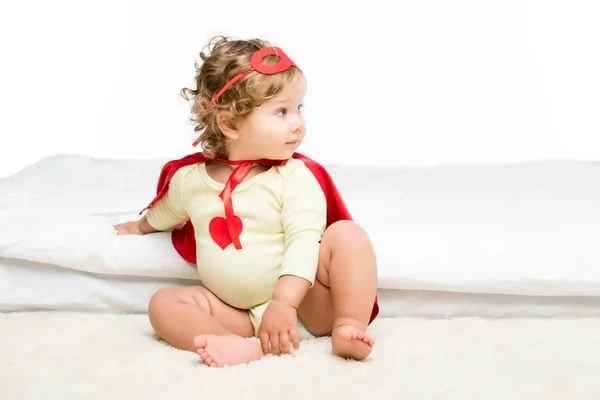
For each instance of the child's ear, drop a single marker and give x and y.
(227, 125)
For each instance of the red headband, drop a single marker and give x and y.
(257, 65)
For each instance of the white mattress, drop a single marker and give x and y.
(30, 286)
(521, 234)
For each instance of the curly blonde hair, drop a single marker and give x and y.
(222, 59)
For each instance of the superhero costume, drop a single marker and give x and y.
(226, 230)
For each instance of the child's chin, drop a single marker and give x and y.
(282, 156)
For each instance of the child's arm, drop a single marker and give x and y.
(304, 215)
(144, 226)
(166, 213)
(139, 227)
(291, 290)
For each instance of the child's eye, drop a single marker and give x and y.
(300, 107)
(282, 112)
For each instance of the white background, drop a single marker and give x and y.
(404, 83)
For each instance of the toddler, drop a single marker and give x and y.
(278, 254)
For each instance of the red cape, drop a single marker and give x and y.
(183, 236)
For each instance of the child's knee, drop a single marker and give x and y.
(345, 233)
(166, 298)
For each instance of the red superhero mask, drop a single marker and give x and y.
(256, 62)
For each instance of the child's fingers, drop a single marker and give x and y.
(296, 338)
(284, 342)
(274, 342)
(264, 342)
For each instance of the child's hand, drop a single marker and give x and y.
(128, 228)
(279, 325)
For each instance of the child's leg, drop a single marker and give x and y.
(194, 319)
(341, 300)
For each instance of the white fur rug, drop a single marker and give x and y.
(99, 356)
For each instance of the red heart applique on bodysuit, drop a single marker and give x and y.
(220, 232)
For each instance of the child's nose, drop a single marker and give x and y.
(298, 124)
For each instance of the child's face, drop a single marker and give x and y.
(276, 128)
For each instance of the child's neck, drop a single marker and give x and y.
(236, 153)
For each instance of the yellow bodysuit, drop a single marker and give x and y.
(283, 213)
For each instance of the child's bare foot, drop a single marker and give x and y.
(221, 351)
(349, 342)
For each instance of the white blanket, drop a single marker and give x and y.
(529, 228)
